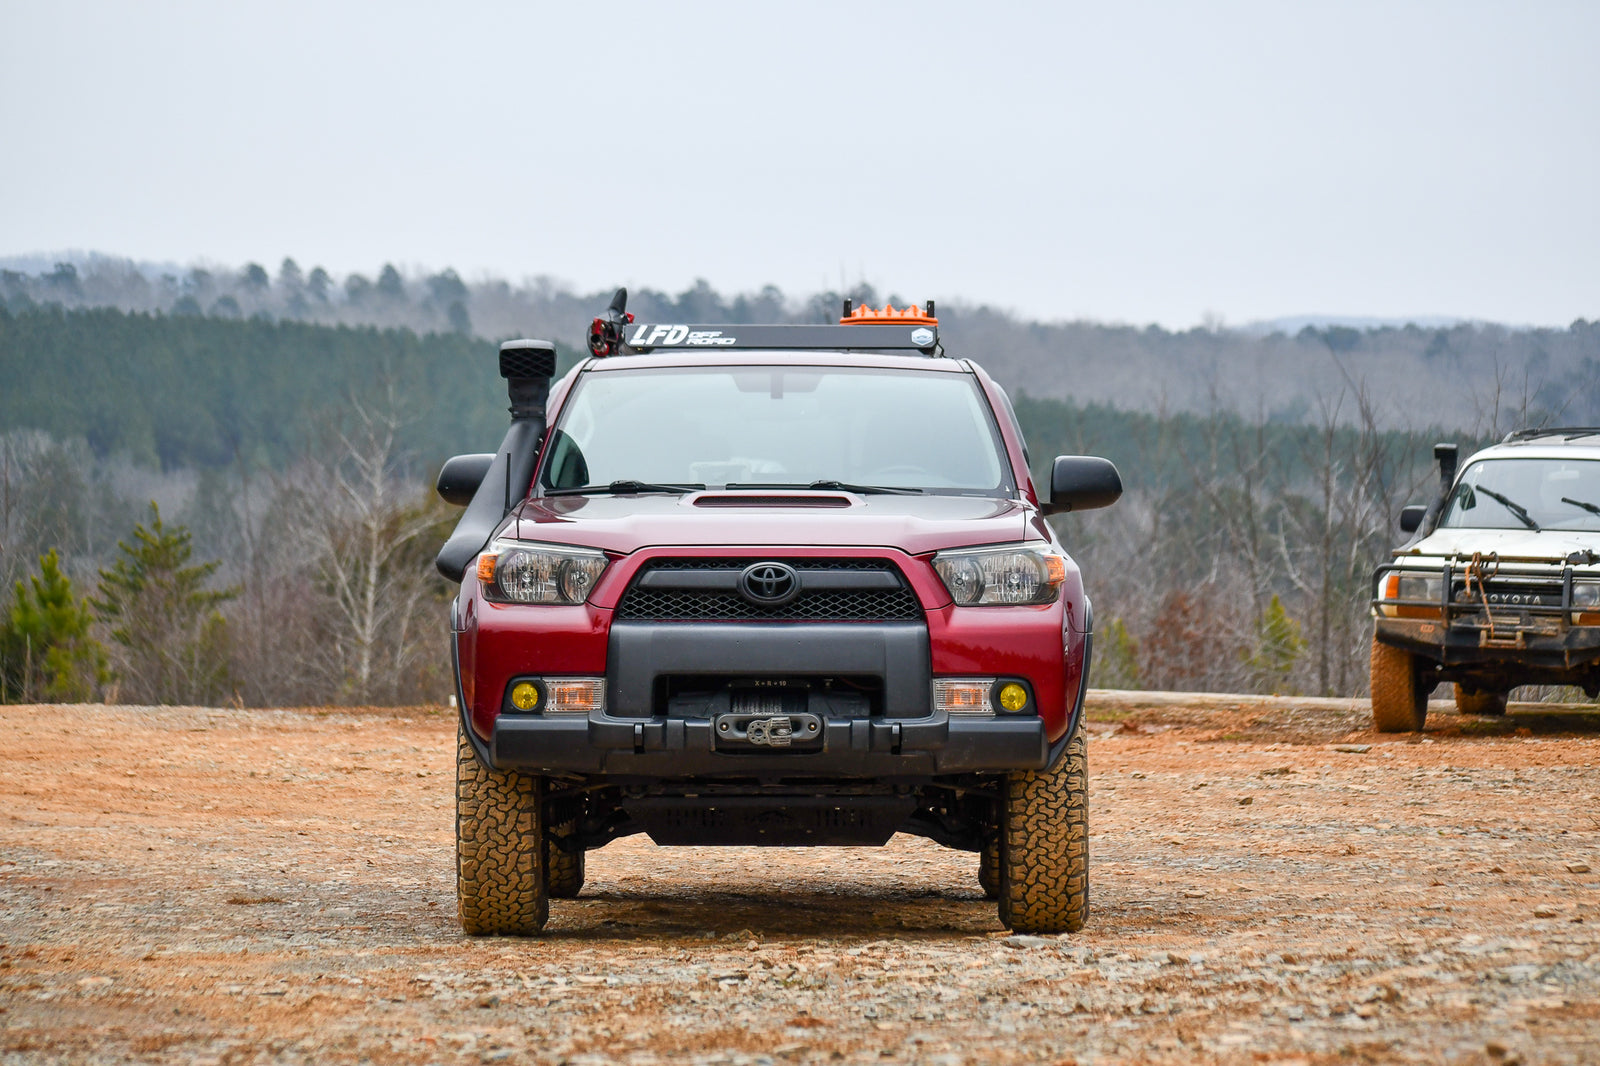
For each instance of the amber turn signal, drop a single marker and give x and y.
(963, 695)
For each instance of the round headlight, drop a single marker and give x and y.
(517, 575)
(965, 578)
(1018, 585)
(578, 577)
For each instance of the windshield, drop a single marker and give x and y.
(1526, 494)
(789, 426)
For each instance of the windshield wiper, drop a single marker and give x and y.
(622, 488)
(1511, 505)
(1591, 508)
(835, 486)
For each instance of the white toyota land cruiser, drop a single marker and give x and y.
(1499, 585)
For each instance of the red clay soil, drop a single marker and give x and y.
(1271, 883)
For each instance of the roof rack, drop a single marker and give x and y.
(648, 337)
(911, 330)
(1566, 432)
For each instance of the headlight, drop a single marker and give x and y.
(1398, 585)
(1586, 595)
(518, 571)
(982, 577)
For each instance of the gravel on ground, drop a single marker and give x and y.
(1271, 882)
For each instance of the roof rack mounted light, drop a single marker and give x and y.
(866, 315)
(653, 336)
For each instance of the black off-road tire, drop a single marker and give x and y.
(1491, 704)
(1399, 697)
(500, 870)
(563, 869)
(989, 867)
(1044, 845)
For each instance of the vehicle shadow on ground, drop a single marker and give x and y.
(1273, 726)
(1520, 721)
(782, 912)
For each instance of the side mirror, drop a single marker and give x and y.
(1082, 483)
(459, 480)
(1411, 517)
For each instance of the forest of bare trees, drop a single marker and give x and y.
(309, 585)
(285, 558)
(1238, 560)
(1248, 570)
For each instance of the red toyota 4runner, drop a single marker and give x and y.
(774, 585)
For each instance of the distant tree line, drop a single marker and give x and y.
(1456, 374)
(285, 559)
(176, 391)
(180, 392)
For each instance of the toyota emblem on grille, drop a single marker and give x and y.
(769, 584)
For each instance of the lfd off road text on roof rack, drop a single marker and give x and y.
(861, 329)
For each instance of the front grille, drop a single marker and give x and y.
(1510, 594)
(819, 605)
(847, 563)
(674, 605)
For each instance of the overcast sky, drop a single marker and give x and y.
(1124, 162)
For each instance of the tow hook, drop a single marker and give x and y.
(770, 732)
(794, 731)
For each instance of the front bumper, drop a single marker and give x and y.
(1491, 623)
(638, 735)
(641, 734)
(662, 747)
(1556, 652)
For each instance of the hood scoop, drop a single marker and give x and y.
(768, 499)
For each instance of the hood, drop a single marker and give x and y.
(913, 524)
(1552, 544)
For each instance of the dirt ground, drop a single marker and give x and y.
(1271, 882)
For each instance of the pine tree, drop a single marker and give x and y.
(46, 651)
(1278, 647)
(171, 638)
(1116, 660)
(391, 286)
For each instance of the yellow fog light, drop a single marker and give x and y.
(1013, 697)
(525, 695)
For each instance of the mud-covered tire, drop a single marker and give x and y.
(563, 869)
(989, 867)
(1399, 698)
(1492, 704)
(500, 870)
(1044, 845)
